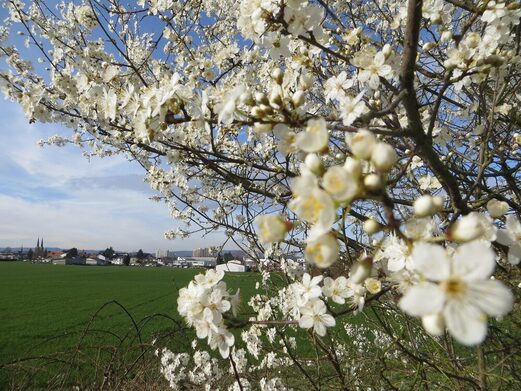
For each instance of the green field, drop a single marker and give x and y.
(70, 322)
(92, 327)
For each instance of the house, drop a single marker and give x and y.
(232, 266)
(63, 260)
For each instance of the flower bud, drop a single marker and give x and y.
(275, 99)
(433, 324)
(306, 81)
(277, 75)
(353, 167)
(259, 128)
(373, 182)
(261, 98)
(425, 206)
(478, 130)
(466, 229)
(266, 109)
(494, 60)
(387, 50)
(428, 46)
(446, 36)
(361, 270)
(372, 226)
(362, 144)
(272, 228)
(383, 156)
(314, 164)
(497, 208)
(246, 99)
(298, 98)
(256, 111)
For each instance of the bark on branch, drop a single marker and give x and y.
(410, 102)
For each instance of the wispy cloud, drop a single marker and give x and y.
(72, 201)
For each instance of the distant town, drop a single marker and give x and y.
(227, 260)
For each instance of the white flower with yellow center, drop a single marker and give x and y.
(209, 279)
(317, 208)
(315, 138)
(352, 108)
(338, 289)
(340, 184)
(322, 251)
(458, 288)
(272, 228)
(376, 69)
(315, 315)
(373, 285)
(336, 86)
(306, 290)
(223, 340)
(396, 252)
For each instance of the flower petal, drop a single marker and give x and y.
(328, 320)
(465, 322)
(492, 297)
(320, 329)
(431, 260)
(513, 224)
(504, 237)
(306, 321)
(514, 254)
(425, 299)
(474, 261)
(395, 264)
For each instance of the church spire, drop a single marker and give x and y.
(38, 244)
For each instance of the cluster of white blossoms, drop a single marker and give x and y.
(318, 192)
(447, 291)
(203, 303)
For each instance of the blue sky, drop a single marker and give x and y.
(71, 201)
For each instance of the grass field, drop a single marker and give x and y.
(49, 312)
(92, 327)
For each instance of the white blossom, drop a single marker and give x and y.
(458, 288)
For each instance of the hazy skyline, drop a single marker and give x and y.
(58, 194)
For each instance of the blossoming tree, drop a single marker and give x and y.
(376, 138)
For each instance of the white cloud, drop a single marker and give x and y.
(92, 220)
(57, 193)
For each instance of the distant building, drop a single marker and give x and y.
(77, 260)
(39, 250)
(232, 266)
(64, 260)
(202, 252)
(165, 254)
(207, 262)
(251, 264)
